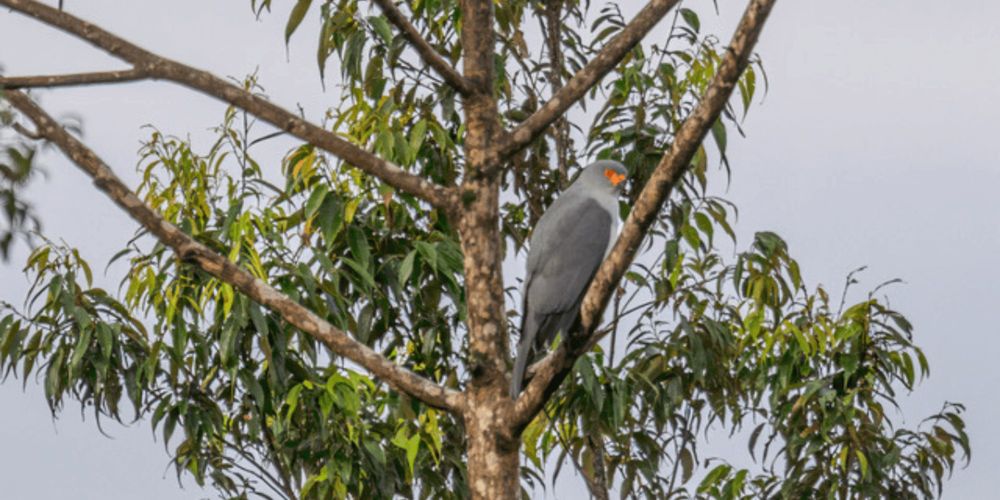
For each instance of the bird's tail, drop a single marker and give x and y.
(524, 349)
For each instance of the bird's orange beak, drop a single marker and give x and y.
(613, 176)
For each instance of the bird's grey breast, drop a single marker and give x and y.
(610, 203)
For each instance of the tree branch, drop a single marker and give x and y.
(20, 82)
(550, 371)
(157, 67)
(609, 57)
(426, 51)
(221, 268)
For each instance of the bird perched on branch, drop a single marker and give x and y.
(568, 245)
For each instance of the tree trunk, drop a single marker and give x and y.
(493, 455)
(493, 451)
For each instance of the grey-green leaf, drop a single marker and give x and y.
(296, 17)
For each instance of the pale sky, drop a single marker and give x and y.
(875, 146)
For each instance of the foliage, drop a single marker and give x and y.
(727, 346)
(17, 168)
(251, 405)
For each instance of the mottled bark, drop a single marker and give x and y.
(493, 451)
(479, 196)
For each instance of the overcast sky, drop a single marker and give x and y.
(874, 146)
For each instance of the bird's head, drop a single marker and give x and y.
(604, 175)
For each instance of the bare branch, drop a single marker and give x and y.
(609, 57)
(427, 53)
(157, 67)
(550, 371)
(21, 82)
(221, 268)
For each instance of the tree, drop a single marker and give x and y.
(341, 329)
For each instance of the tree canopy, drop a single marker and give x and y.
(339, 325)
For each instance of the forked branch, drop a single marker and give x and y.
(426, 51)
(549, 372)
(156, 67)
(221, 268)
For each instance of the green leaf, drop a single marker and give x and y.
(316, 199)
(257, 317)
(105, 339)
(361, 271)
(417, 135)
(687, 465)
(704, 225)
(412, 446)
(719, 134)
(330, 218)
(406, 268)
(586, 371)
(359, 246)
(747, 86)
(292, 400)
(691, 19)
(381, 27)
(800, 338)
(295, 18)
(375, 450)
(428, 252)
(53, 377)
(713, 477)
(82, 345)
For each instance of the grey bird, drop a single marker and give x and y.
(568, 245)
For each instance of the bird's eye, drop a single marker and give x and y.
(614, 176)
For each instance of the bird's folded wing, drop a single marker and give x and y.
(571, 249)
